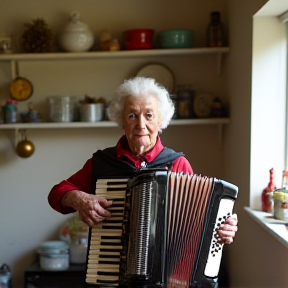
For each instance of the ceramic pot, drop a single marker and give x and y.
(76, 35)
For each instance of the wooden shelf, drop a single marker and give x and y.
(105, 124)
(112, 54)
(60, 56)
(15, 127)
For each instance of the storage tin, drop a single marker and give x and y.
(91, 112)
(62, 108)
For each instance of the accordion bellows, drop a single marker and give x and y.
(163, 230)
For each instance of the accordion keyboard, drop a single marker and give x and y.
(103, 264)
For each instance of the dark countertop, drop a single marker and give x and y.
(72, 277)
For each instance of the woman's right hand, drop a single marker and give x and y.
(91, 208)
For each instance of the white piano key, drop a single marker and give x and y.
(95, 253)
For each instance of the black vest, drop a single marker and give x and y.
(106, 164)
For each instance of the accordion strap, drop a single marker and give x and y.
(165, 158)
(106, 164)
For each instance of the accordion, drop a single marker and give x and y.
(162, 231)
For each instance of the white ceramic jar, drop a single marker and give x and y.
(76, 35)
(54, 255)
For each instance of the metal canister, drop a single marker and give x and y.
(10, 113)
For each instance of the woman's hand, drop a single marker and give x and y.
(91, 208)
(228, 230)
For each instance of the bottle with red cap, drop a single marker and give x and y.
(267, 202)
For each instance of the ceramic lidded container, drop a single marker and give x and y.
(76, 35)
(54, 255)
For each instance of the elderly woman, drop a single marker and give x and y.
(142, 108)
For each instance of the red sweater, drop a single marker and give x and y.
(82, 179)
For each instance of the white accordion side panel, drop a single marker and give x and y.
(216, 248)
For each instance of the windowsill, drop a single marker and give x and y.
(277, 228)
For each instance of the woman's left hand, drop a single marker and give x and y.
(228, 229)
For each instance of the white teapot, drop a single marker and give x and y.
(76, 35)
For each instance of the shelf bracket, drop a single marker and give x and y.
(219, 63)
(14, 69)
(16, 137)
(220, 132)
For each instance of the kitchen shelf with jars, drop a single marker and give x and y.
(77, 42)
(93, 115)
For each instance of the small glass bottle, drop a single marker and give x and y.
(267, 203)
(215, 31)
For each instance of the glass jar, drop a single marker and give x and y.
(280, 209)
(54, 255)
(5, 276)
(185, 97)
(78, 248)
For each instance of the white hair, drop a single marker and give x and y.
(139, 87)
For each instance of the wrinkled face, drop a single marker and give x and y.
(141, 123)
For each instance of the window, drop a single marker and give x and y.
(284, 19)
(268, 103)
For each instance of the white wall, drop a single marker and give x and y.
(26, 220)
(255, 259)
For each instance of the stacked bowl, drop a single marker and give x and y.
(176, 38)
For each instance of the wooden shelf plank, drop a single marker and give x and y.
(112, 54)
(105, 124)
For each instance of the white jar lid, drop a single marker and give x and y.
(53, 247)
